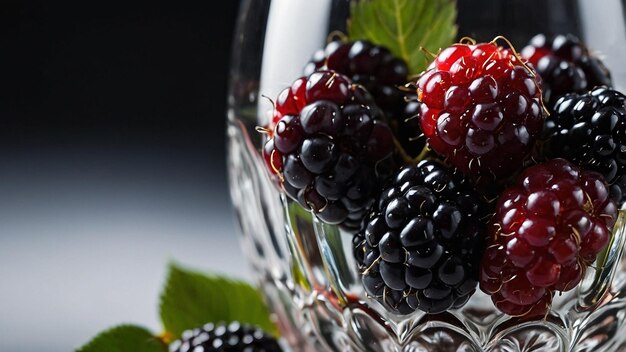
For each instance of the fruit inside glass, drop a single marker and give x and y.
(414, 175)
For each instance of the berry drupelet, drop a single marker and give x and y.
(481, 109)
(369, 65)
(565, 65)
(421, 246)
(234, 337)
(330, 147)
(548, 227)
(590, 131)
(382, 74)
(408, 131)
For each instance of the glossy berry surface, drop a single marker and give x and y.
(565, 65)
(234, 337)
(547, 229)
(330, 147)
(407, 128)
(481, 109)
(420, 248)
(382, 74)
(590, 131)
(369, 65)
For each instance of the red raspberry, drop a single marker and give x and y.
(330, 147)
(548, 227)
(481, 108)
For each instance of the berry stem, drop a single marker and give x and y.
(406, 157)
(518, 57)
(337, 35)
(466, 40)
(429, 56)
(263, 130)
(166, 337)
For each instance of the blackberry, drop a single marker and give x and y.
(407, 129)
(590, 131)
(382, 74)
(481, 109)
(565, 65)
(330, 147)
(548, 227)
(421, 246)
(234, 337)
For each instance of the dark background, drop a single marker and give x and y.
(145, 74)
(131, 73)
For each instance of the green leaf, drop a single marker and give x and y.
(191, 299)
(405, 27)
(125, 338)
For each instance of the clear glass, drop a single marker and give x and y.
(305, 268)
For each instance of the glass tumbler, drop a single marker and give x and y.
(305, 268)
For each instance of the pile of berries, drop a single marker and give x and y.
(499, 171)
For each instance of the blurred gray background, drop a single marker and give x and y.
(87, 233)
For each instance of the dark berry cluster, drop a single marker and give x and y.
(548, 227)
(565, 65)
(590, 130)
(421, 247)
(383, 75)
(234, 337)
(425, 236)
(330, 147)
(369, 65)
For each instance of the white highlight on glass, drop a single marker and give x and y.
(295, 30)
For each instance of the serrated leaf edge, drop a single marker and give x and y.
(112, 329)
